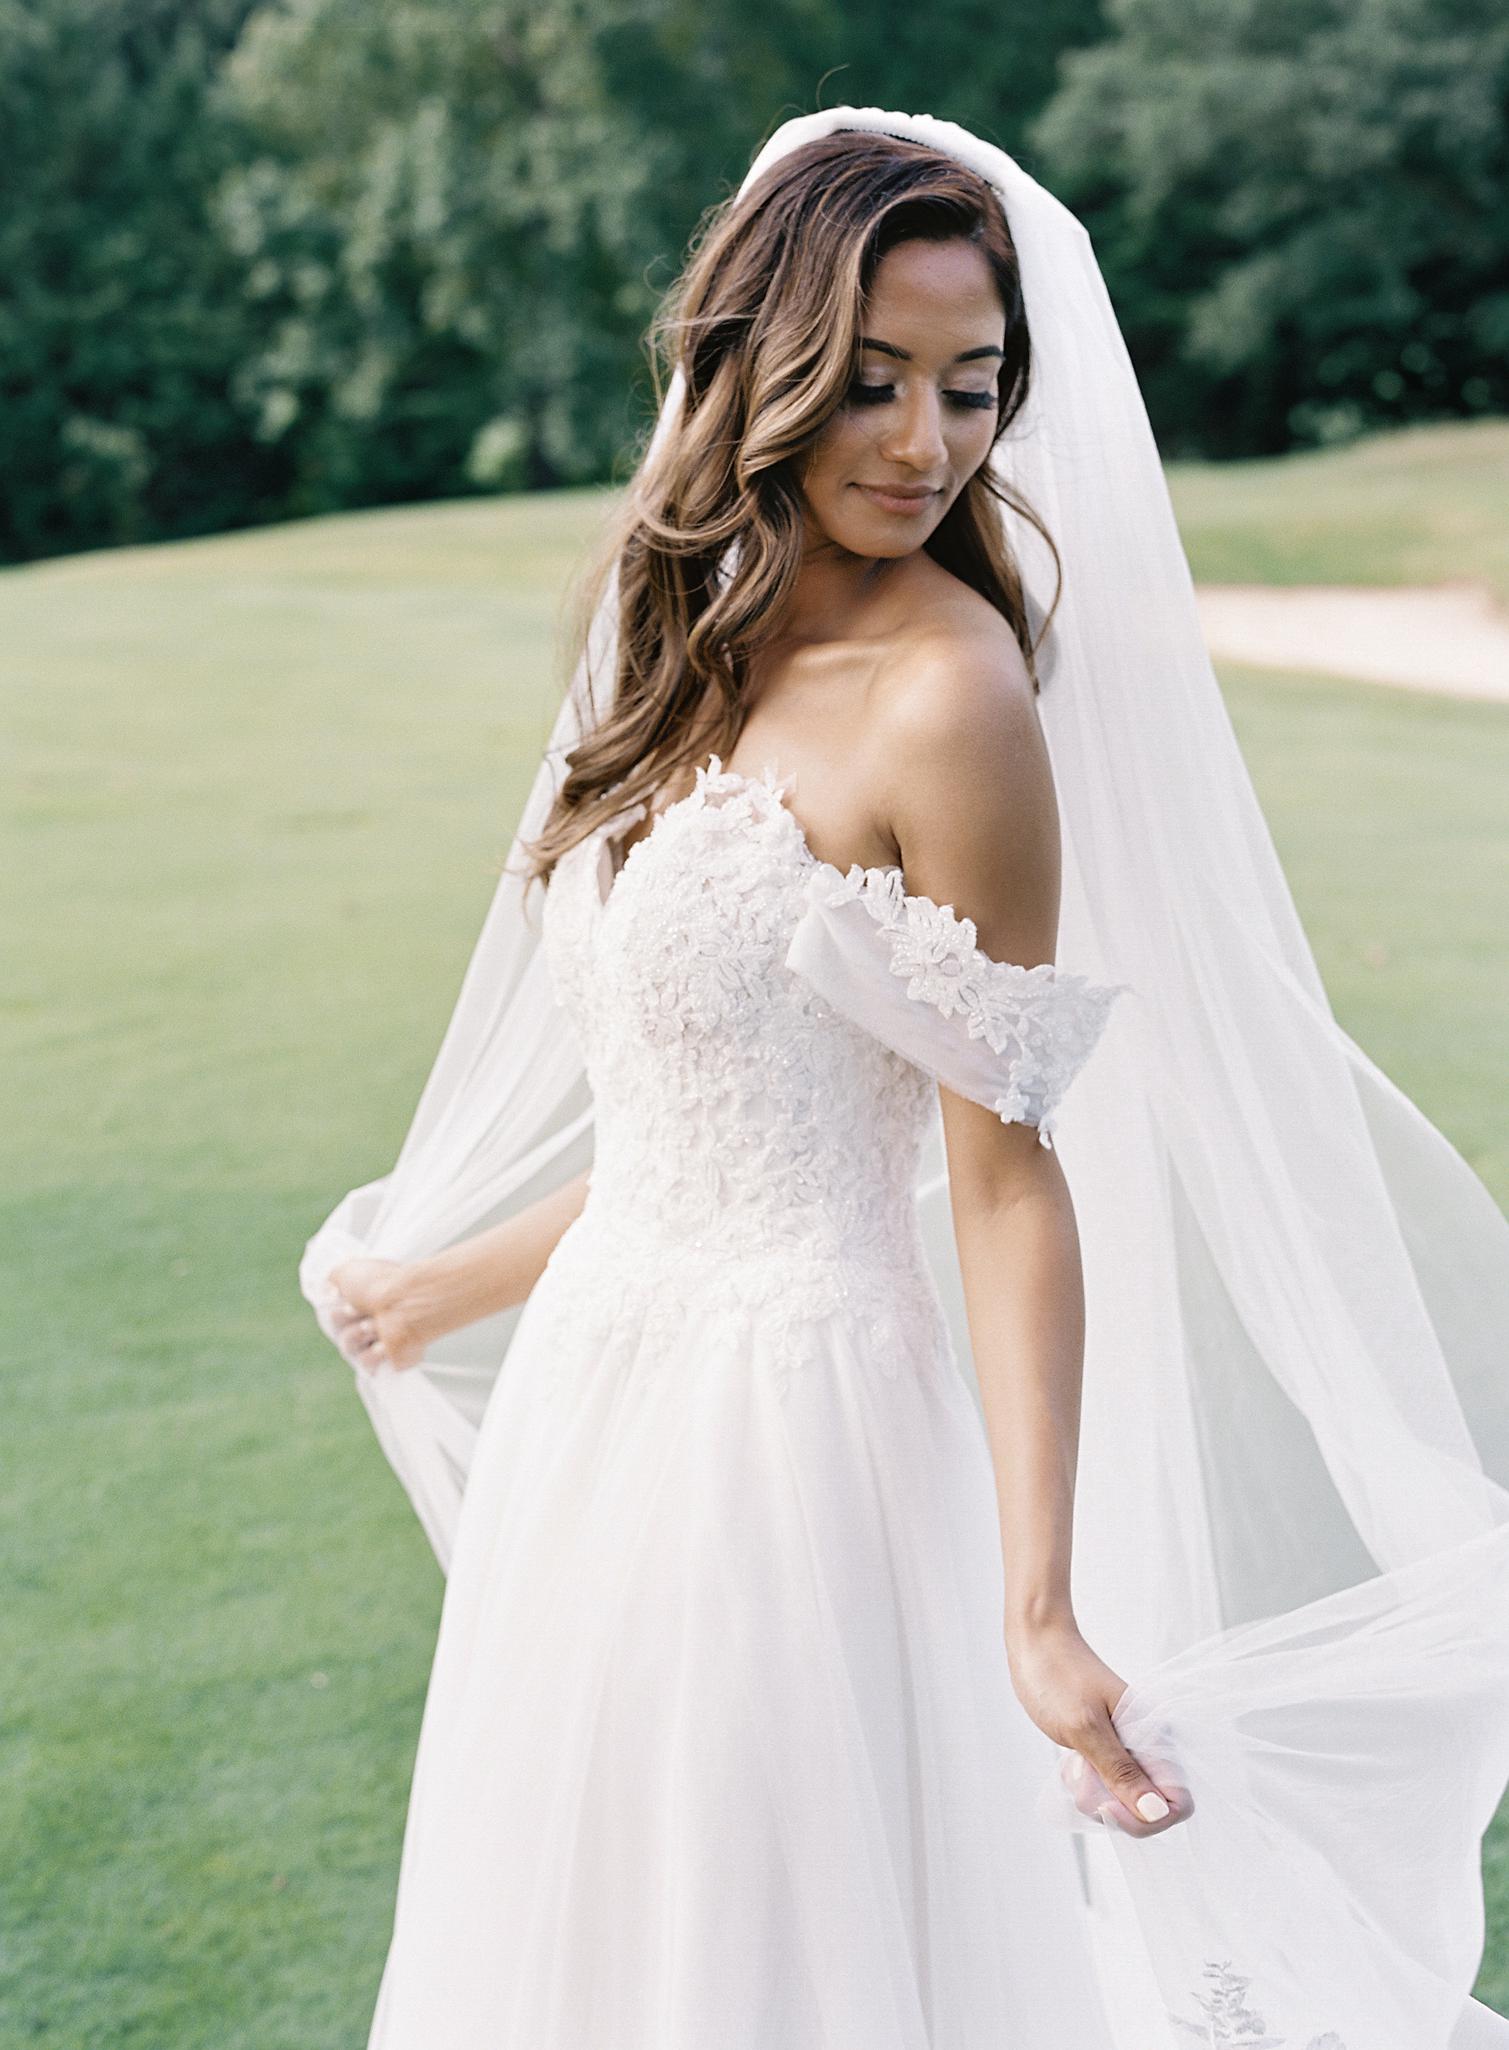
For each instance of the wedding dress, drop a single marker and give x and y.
(720, 1750)
(720, 1740)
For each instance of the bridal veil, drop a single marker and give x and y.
(1292, 1525)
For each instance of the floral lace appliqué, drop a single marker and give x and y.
(755, 1153)
(1228, 2023)
(1043, 1021)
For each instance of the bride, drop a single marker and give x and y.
(899, 874)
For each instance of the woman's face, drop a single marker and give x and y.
(921, 415)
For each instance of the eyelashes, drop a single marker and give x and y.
(882, 394)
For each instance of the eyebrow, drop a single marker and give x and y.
(905, 356)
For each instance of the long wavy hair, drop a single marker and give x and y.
(764, 324)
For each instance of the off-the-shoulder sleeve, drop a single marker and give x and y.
(912, 973)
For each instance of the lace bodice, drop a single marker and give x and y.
(761, 1035)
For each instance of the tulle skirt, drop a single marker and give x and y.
(720, 1750)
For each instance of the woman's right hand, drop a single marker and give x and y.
(1072, 1695)
(371, 1321)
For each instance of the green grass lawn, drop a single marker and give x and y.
(264, 783)
(1424, 506)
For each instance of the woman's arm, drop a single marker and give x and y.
(976, 822)
(394, 1310)
(1019, 1257)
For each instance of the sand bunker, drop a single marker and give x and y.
(1453, 639)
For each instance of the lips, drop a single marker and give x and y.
(898, 498)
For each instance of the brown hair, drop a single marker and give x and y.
(764, 324)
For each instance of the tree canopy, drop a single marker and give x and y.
(261, 258)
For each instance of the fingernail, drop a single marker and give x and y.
(1076, 1768)
(1152, 1807)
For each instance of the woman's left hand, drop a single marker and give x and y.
(1071, 1694)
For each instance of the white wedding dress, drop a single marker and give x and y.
(720, 1750)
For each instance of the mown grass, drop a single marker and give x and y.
(1424, 506)
(261, 788)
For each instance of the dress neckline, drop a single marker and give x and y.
(711, 779)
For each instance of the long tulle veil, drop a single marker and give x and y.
(1292, 1529)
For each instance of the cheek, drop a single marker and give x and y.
(836, 455)
(969, 442)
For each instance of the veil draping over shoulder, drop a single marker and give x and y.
(1292, 1528)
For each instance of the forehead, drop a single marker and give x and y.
(942, 290)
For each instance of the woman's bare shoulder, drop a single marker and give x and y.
(963, 784)
(953, 674)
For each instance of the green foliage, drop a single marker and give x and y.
(440, 221)
(970, 61)
(120, 313)
(1300, 209)
(288, 257)
(454, 218)
(270, 257)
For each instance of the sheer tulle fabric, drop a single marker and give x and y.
(1013, 1037)
(1293, 1521)
(757, 1744)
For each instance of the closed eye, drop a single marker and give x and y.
(882, 394)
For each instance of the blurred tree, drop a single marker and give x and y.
(120, 315)
(455, 217)
(262, 259)
(1301, 208)
(446, 218)
(972, 61)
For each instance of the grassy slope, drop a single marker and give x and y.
(264, 788)
(264, 785)
(1425, 506)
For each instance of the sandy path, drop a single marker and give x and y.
(1452, 639)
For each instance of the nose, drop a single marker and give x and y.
(914, 431)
